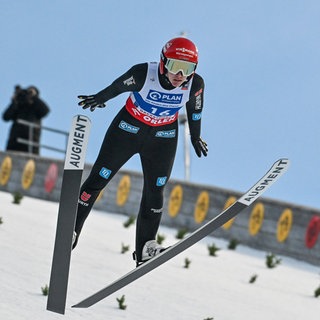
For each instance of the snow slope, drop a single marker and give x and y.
(211, 288)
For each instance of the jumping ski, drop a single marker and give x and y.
(71, 180)
(272, 175)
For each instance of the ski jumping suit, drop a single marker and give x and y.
(146, 125)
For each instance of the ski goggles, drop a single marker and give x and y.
(174, 66)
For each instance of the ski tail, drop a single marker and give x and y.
(272, 175)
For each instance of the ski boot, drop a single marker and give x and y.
(150, 250)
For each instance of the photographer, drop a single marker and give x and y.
(25, 105)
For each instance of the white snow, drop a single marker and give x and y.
(212, 287)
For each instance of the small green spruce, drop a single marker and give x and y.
(160, 238)
(233, 244)
(124, 248)
(181, 233)
(121, 300)
(45, 290)
(187, 263)
(213, 250)
(253, 278)
(17, 197)
(1, 221)
(272, 260)
(317, 292)
(131, 220)
(208, 319)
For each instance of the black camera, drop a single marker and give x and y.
(21, 95)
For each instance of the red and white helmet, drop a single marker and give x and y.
(179, 55)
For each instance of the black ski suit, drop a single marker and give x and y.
(156, 145)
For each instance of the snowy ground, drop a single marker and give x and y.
(211, 288)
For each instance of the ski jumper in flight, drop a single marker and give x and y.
(147, 125)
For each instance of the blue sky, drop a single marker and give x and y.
(260, 61)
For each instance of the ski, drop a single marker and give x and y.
(272, 175)
(71, 181)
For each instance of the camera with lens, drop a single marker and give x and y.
(22, 95)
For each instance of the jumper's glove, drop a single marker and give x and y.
(90, 102)
(200, 146)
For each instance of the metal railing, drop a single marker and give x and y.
(183, 120)
(32, 144)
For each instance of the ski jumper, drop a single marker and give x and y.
(147, 125)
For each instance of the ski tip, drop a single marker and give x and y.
(272, 175)
(283, 161)
(83, 117)
(283, 164)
